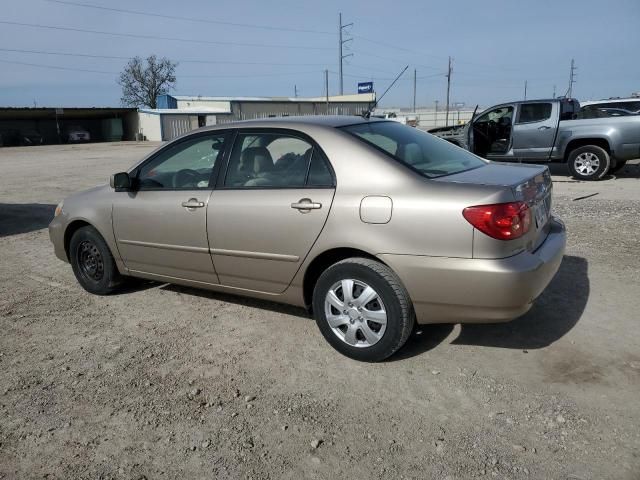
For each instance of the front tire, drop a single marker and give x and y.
(589, 162)
(92, 262)
(362, 309)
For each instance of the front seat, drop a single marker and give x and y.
(257, 163)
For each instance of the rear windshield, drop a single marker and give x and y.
(430, 156)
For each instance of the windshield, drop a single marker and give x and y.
(429, 155)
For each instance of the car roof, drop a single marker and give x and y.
(301, 121)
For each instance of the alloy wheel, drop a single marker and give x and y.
(587, 163)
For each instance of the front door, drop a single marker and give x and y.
(534, 132)
(161, 226)
(269, 209)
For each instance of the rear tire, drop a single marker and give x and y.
(589, 162)
(375, 316)
(92, 262)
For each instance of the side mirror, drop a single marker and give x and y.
(120, 181)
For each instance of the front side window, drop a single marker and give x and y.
(185, 165)
(271, 160)
(534, 112)
(429, 155)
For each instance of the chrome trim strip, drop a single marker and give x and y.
(258, 255)
(165, 246)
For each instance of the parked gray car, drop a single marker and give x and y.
(371, 224)
(550, 131)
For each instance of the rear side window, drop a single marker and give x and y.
(534, 112)
(421, 151)
(275, 160)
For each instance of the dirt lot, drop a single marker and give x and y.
(169, 382)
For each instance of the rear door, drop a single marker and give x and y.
(268, 209)
(534, 132)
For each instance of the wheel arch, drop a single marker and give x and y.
(584, 142)
(72, 228)
(324, 260)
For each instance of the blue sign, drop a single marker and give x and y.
(365, 87)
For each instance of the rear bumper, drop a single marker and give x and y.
(471, 290)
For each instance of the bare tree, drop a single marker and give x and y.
(142, 83)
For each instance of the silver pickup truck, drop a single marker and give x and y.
(550, 131)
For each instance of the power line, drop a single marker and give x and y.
(57, 67)
(187, 19)
(156, 37)
(116, 57)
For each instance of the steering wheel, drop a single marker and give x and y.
(184, 178)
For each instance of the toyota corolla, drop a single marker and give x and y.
(372, 225)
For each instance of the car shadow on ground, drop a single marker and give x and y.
(552, 316)
(630, 170)
(240, 300)
(18, 218)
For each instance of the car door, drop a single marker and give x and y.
(534, 132)
(268, 209)
(161, 225)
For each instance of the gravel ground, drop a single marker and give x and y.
(169, 382)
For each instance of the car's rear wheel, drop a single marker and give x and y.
(92, 262)
(362, 309)
(589, 162)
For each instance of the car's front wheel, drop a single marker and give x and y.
(362, 309)
(92, 262)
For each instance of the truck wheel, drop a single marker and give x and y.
(362, 309)
(589, 162)
(619, 166)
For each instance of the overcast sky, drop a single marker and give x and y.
(495, 45)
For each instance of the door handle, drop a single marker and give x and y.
(306, 204)
(544, 127)
(192, 203)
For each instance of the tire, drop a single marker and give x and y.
(589, 162)
(362, 333)
(92, 262)
(619, 166)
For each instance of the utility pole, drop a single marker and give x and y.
(435, 117)
(449, 70)
(341, 43)
(295, 91)
(326, 88)
(525, 89)
(414, 89)
(554, 92)
(572, 80)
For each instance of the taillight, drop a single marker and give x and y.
(504, 221)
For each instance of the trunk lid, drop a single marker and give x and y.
(528, 183)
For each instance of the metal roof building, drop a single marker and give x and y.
(178, 114)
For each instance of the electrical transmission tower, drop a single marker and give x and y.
(572, 79)
(449, 70)
(341, 55)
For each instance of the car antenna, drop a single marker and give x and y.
(367, 114)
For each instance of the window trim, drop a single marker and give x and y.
(534, 121)
(135, 171)
(275, 131)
